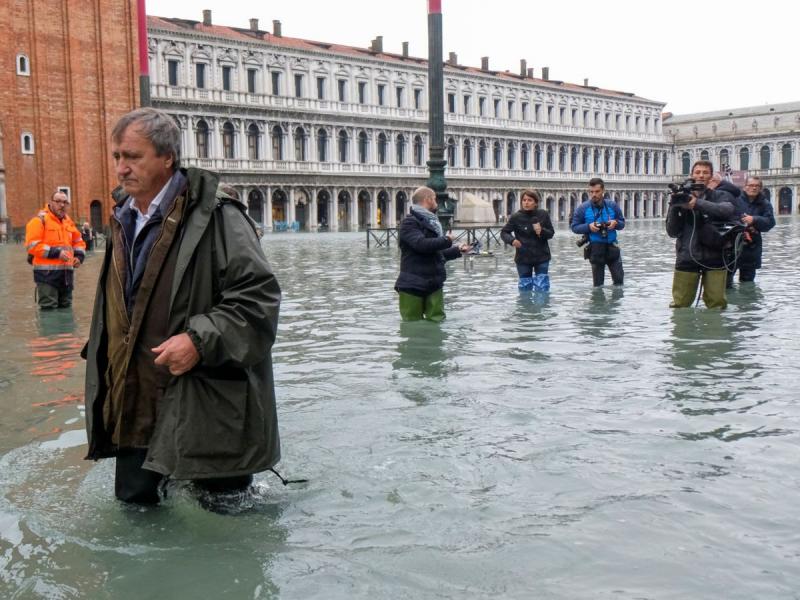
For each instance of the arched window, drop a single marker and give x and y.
(201, 139)
(322, 145)
(637, 159)
(511, 155)
(647, 163)
(23, 65)
(607, 160)
(537, 157)
(744, 159)
(498, 155)
(467, 162)
(253, 151)
(724, 159)
(382, 147)
(786, 156)
(686, 163)
(765, 157)
(363, 147)
(400, 149)
(524, 155)
(617, 161)
(573, 159)
(277, 143)
(704, 155)
(227, 140)
(562, 158)
(419, 150)
(300, 145)
(585, 161)
(482, 155)
(551, 157)
(451, 152)
(343, 144)
(596, 160)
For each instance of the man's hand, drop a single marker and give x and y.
(177, 353)
(691, 203)
(537, 228)
(76, 262)
(65, 256)
(464, 248)
(516, 244)
(747, 219)
(593, 227)
(612, 224)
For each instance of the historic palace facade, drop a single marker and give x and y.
(336, 137)
(760, 140)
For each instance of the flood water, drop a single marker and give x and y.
(592, 444)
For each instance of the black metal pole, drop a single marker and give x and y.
(437, 162)
(144, 64)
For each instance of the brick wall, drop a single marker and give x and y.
(83, 76)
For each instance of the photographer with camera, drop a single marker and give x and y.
(696, 219)
(598, 219)
(758, 217)
(528, 230)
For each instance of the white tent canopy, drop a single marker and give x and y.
(475, 211)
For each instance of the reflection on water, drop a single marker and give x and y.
(588, 443)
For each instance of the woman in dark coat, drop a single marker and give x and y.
(528, 230)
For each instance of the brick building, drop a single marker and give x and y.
(68, 70)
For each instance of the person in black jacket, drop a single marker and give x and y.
(528, 231)
(424, 248)
(758, 217)
(699, 247)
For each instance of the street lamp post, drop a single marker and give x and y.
(437, 162)
(144, 61)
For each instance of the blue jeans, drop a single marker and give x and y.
(529, 270)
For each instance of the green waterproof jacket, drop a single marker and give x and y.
(219, 419)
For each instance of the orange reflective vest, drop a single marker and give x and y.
(46, 236)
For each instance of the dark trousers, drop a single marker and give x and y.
(530, 270)
(51, 296)
(745, 274)
(602, 255)
(134, 484)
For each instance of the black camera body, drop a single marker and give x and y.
(583, 240)
(603, 229)
(682, 193)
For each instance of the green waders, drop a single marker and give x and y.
(415, 308)
(684, 288)
(52, 297)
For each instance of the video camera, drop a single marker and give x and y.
(681, 194)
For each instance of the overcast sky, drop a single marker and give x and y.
(695, 56)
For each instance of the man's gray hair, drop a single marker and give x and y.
(421, 193)
(157, 126)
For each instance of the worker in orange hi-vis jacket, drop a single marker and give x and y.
(55, 249)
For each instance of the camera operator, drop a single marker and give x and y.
(600, 219)
(756, 213)
(693, 219)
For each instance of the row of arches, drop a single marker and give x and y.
(763, 155)
(554, 157)
(361, 148)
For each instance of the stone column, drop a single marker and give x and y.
(354, 209)
(312, 211)
(333, 211)
(290, 212)
(268, 210)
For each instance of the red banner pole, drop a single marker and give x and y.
(434, 7)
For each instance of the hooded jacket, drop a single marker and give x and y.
(219, 419)
(760, 208)
(696, 245)
(535, 249)
(423, 253)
